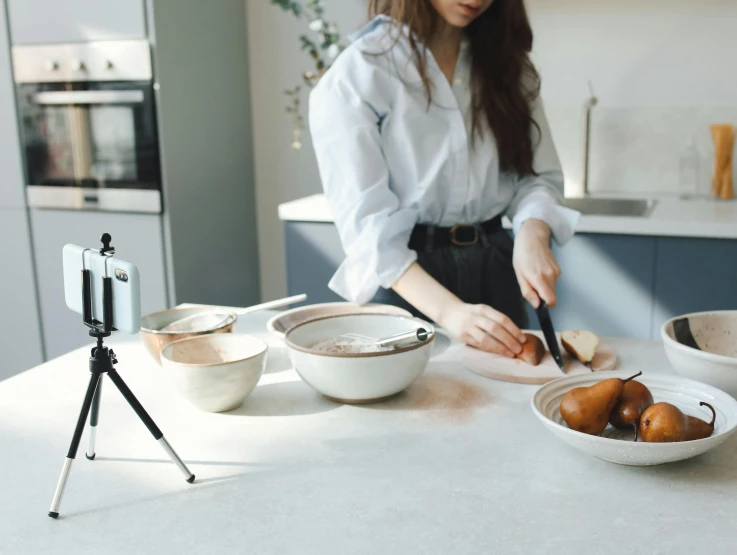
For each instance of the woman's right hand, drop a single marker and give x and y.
(484, 328)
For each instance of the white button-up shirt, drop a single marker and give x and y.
(388, 161)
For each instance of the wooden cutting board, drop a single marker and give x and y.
(512, 370)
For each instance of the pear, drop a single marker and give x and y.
(663, 423)
(634, 400)
(533, 350)
(587, 409)
(581, 344)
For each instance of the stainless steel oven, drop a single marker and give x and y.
(88, 126)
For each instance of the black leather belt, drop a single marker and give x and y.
(458, 235)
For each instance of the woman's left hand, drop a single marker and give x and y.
(536, 268)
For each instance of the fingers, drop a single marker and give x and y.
(545, 289)
(528, 292)
(478, 338)
(501, 326)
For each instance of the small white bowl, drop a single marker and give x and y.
(283, 322)
(617, 446)
(358, 378)
(716, 364)
(215, 372)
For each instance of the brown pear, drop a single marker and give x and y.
(533, 350)
(634, 400)
(663, 423)
(587, 409)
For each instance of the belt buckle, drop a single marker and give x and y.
(454, 239)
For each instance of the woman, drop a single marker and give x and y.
(428, 129)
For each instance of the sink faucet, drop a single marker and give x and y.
(590, 103)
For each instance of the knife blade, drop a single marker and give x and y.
(546, 325)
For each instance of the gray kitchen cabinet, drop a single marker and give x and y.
(314, 253)
(49, 21)
(137, 239)
(21, 346)
(605, 285)
(12, 180)
(693, 275)
(614, 285)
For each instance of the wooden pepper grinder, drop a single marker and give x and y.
(722, 183)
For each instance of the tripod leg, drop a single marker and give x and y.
(94, 379)
(94, 414)
(150, 424)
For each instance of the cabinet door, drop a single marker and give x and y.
(49, 21)
(605, 286)
(12, 182)
(314, 253)
(694, 275)
(137, 238)
(20, 332)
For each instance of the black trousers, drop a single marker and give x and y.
(477, 274)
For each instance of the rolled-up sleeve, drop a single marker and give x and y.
(373, 228)
(541, 196)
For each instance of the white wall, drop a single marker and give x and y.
(662, 69)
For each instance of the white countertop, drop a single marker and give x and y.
(671, 217)
(456, 465)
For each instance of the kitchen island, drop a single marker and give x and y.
(621, 276)
(456, 464)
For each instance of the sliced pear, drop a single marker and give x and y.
(581, 344)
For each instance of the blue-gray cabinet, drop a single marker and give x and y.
(314, 253)
(50, 21)
(693, 275)
(605, 285)
(21, 347)
(615, 285)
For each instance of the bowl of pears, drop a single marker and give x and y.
(636, 419)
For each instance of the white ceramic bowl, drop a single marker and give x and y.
(215, 372)
(716, 364)
(281, 323)
(358, 377)
(617, 446)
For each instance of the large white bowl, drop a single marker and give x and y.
(618, 446)
(716, 363)
(362, 377)
(281, 323)
(215, 372)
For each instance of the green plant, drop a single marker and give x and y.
(323, 50)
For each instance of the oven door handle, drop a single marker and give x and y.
(88, 97)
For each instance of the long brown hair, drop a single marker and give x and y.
(504, 82)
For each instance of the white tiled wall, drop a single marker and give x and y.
(663, 71)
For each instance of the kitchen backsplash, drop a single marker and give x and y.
(635, 150)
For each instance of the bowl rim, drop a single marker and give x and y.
(219, 337)
(617, 373)
(229, 321)
(713, 357)
(427, 325)
(272, 329)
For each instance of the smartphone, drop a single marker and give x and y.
(126, 286)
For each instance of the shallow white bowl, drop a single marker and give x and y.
(716, 364)
(617, 446)
(215, 372)
(281, 323)
(364, 377)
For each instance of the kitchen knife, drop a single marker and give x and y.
(546, 324)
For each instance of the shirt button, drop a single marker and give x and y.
(458, 82)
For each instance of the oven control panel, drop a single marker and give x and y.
(123, 60)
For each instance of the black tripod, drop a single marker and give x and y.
(102, 361)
